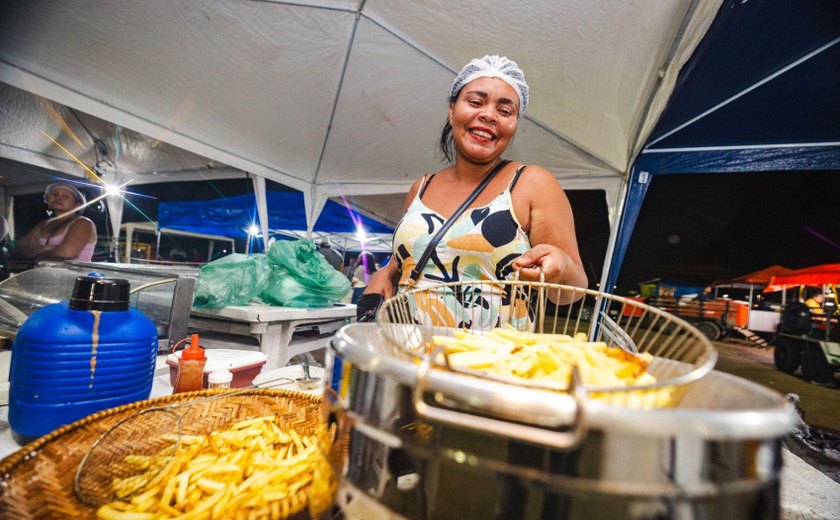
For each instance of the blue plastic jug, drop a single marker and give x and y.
(71, 359)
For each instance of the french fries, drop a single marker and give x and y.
(254, 469)
(546, 357)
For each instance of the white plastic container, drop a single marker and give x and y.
(245, 365)
(220, 379)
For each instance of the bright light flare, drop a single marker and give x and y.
(253, 230)
(361, 235)
(111, 189)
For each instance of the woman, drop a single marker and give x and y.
(65, 236)
(521, 221)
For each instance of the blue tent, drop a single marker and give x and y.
(233, 216)
(760, 93)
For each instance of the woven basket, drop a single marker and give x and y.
(37, 481)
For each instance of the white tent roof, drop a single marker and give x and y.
(348, 97)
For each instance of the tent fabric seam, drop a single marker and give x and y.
(742, 147)
(658, 84)
(747, 90)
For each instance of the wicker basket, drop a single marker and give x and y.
(37, 480)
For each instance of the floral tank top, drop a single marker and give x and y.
(481, 245)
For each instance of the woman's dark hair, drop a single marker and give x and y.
(446, 145)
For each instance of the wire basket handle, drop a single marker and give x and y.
(490, 403)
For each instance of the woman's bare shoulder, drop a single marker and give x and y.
(83, 221)
(537, 179)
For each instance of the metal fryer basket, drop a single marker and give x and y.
(682, 354)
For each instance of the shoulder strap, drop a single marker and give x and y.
(417, 272)
(426, 183)
(516, 177)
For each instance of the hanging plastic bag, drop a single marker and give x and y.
(234, 279)
(302, 277)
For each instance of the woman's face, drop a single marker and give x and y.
(60, 200)
(484, 119)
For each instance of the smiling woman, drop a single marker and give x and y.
(521, 221)
(66, 235)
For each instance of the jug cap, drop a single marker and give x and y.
(220, 377)
(194, 351)
(95, 292)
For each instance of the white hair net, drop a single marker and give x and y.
(494, 67)
(78, 195)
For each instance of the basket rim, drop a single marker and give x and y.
(10, 462)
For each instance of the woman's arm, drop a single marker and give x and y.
(551, 231)
(80, 233)
(27, 246)
(384, 280)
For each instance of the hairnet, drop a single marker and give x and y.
(494, 67)
(78, 195)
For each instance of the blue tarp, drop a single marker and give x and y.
(760, 93)
(232, 216)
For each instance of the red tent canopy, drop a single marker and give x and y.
(761, 277)
(826, 274)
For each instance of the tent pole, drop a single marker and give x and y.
(157, 244)
(634, 196)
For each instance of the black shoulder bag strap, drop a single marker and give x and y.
(416, 273)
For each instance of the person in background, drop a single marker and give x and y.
(177, 254)
(815, 303)
(365, 268)
(521, 222)
(333, 257)
(706, 295)
(196, 257)
(66, 235)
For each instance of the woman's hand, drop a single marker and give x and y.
(556, 265)
(382, 281)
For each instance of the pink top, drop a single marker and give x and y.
(85, 255)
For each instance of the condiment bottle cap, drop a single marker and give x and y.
(194, 351)
(220, 376)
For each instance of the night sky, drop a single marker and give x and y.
(699, 228)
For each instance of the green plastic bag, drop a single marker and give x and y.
(302, 277)
(234, 279)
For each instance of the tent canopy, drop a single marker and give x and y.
(826, 274)
(759, 94)
(341, 97)
(235, 216)
(761, 277)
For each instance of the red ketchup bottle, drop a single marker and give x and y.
(191, 368)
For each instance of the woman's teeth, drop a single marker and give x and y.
(482, 134)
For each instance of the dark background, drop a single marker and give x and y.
(699, 228)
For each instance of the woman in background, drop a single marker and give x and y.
(65, 236)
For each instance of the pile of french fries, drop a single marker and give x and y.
(545, 357)
(252, 470)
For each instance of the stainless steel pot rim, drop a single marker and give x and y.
(766, 415)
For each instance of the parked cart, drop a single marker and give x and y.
(810, 337)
